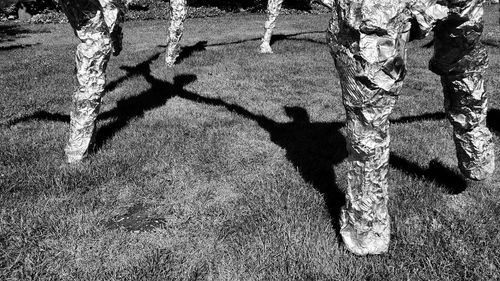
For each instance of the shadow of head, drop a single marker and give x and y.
(183, 80)
(188, 51)
(297, 114)
(200, 46)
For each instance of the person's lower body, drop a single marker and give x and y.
(461, 60)
(273, 10)
(369, 54)
(178, 14)
(370, 89)
(113, 12)
(92, 56)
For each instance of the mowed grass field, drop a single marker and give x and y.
(230, 166)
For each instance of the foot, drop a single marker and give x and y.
(369, 243)
(478, 171)
(169, 61)
(265, 48)
(66, 166)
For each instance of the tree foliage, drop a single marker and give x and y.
(36, 6)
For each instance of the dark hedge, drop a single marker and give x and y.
(47, 11)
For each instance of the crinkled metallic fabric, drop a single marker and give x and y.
(327, 3)
(273, 10)
(461, 60)
(368, 47)
(93, 25)
(114, 12)
(178, 13)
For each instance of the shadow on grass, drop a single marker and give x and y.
(491, 42)
(40, 116)
(451, 181)
(20, 46)
(11, 32)
(487, 42)
(201, 46)
(313, 147)
(493, 120)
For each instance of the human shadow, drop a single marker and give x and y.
(20, 46)
(434, 116)
(436, 172)
(188, 51)
(313, 147)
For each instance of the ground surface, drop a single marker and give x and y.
(229, 165)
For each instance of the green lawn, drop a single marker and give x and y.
(229, 166)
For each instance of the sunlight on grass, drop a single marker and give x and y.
(230, 166)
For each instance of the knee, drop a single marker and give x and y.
(96, 46)
(367, 134)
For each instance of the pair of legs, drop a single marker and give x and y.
(178, 13)
(96, 24)
(368, 46)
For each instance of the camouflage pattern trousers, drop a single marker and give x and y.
(367, 41)
(96, 24)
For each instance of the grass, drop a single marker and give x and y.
(229, 166)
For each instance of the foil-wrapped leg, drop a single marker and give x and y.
(371, 79)
(327, 3)
(178, 13)
(92, 55)
(461, 60)
(368, 48)
(273, 10)
(114, 13)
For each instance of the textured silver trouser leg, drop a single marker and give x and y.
(92, 55)
(113, 11)
(327, 3)
(369, 91)
(368, 50)
(178, 13)
(368, 47)
(461, 60)
(273, 10)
